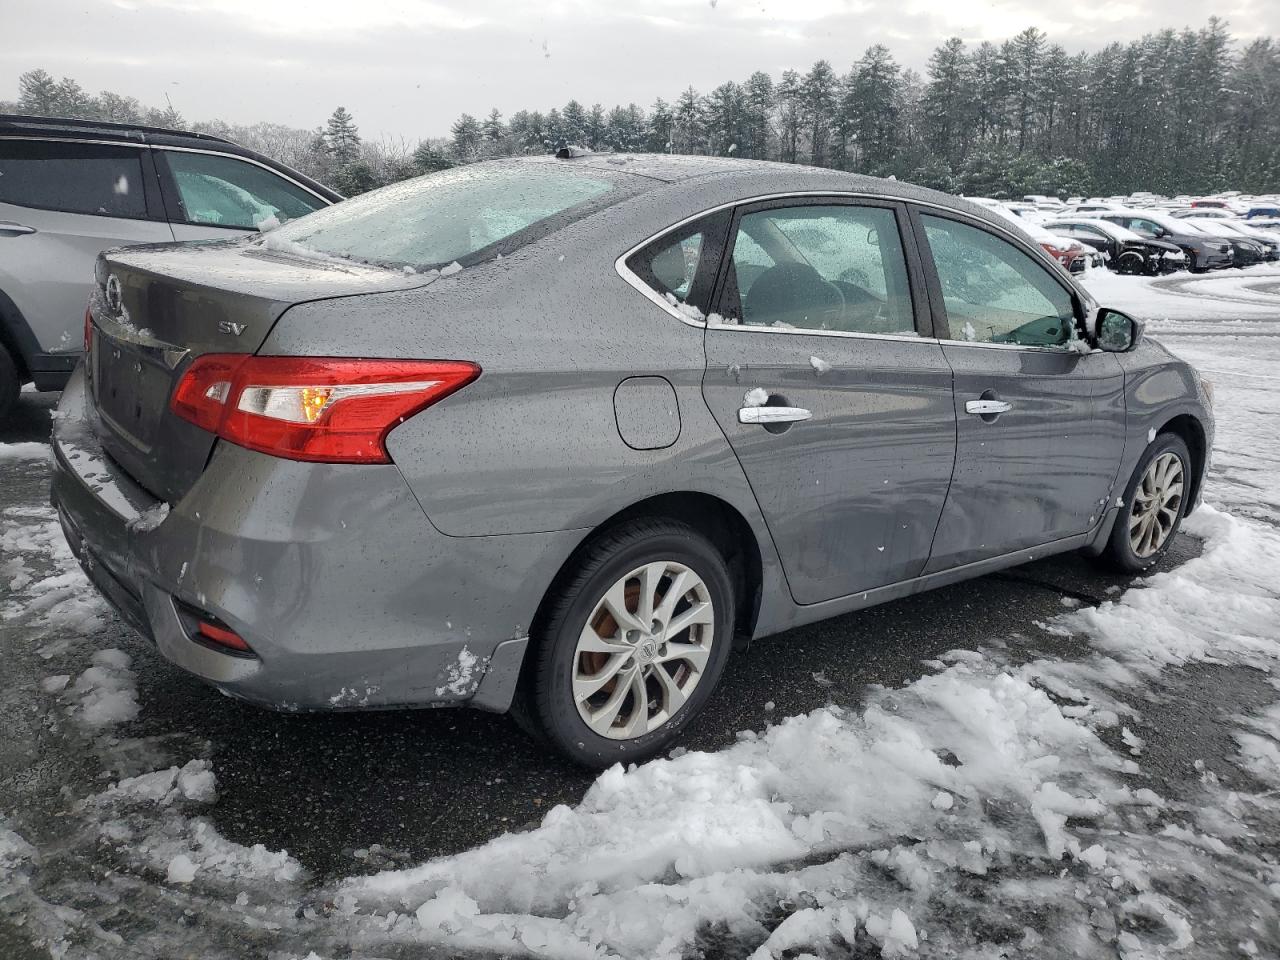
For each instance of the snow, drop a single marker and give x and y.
(463, 675)
(25, 451)
(181, 869)
(106, 692)
(755, 397)
(819, 365)
(150, 518)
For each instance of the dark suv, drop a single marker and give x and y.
(72, 188)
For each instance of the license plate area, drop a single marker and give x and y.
(131, 389)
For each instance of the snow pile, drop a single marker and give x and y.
(47, 590)
(25, 451)
(106, 691)
(144, 819)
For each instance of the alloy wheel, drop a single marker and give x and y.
(643, 650)
(1156, 504)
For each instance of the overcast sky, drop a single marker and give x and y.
(407, 68)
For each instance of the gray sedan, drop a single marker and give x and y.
(556, 436)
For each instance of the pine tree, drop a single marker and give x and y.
(949, 100)
(342, 137)
(790, 114)
(819, 97)
(493, 129)
(688, 123)
(37, 93)
(757, 107)
(661, 127)
(466, 136)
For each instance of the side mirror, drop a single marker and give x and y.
(1116, 332)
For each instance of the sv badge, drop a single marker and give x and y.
(235, 329)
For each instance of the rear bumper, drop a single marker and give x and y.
(332, 574)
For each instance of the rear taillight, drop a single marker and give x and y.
(323, 409)
(219, 636)
(88, 328)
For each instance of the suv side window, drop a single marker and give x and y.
(993, 292)
(94, 179)
(820, 267)
(225, 192)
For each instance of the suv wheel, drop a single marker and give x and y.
(1154, 504)
(10, 382)
(632, 644)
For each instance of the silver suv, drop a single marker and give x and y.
(71, 188)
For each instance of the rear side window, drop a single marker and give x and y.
(838, 267)
(103, 181)
(993, 292)
(670, 265)
(457, 215)
(226, 192)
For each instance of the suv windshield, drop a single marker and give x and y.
(461, 215)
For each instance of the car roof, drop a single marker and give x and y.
(17, 125)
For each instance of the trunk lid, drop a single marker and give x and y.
(156, 308)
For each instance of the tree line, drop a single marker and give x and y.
(1173, 112)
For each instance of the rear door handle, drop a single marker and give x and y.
(986, 408)
(772, 414)
(10, 229)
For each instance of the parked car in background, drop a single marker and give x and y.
(1230, 206)
(1125, 251)
(1203, 252)
(71, 188)
(1091, 206)
(1071, 253)
(1264, 211)
(505, 510)
(1245, 250)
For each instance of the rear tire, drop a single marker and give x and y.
(1155, 501)
(10, 383)
(614, 677)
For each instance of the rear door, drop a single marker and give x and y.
(1040, 424)
(61, 203)
(825, 382)
(213, 196)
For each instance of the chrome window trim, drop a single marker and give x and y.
(628, 275)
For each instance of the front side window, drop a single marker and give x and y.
(95, 179)
(835, 267)
(469, 212)
(226, 192)
(993, 292)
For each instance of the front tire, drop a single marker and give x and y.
(1155, 501)
(630, 646)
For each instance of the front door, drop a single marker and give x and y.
(1040, 419)
(839, 411)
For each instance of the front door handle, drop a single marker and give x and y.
(987, 408)
(10, 229)
(772, 414)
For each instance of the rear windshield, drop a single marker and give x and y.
(463, 215)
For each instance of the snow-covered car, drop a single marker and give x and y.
(555, 435)
(1204, 251)
(1069, 252)
(1125, 251)
(1246, 250)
